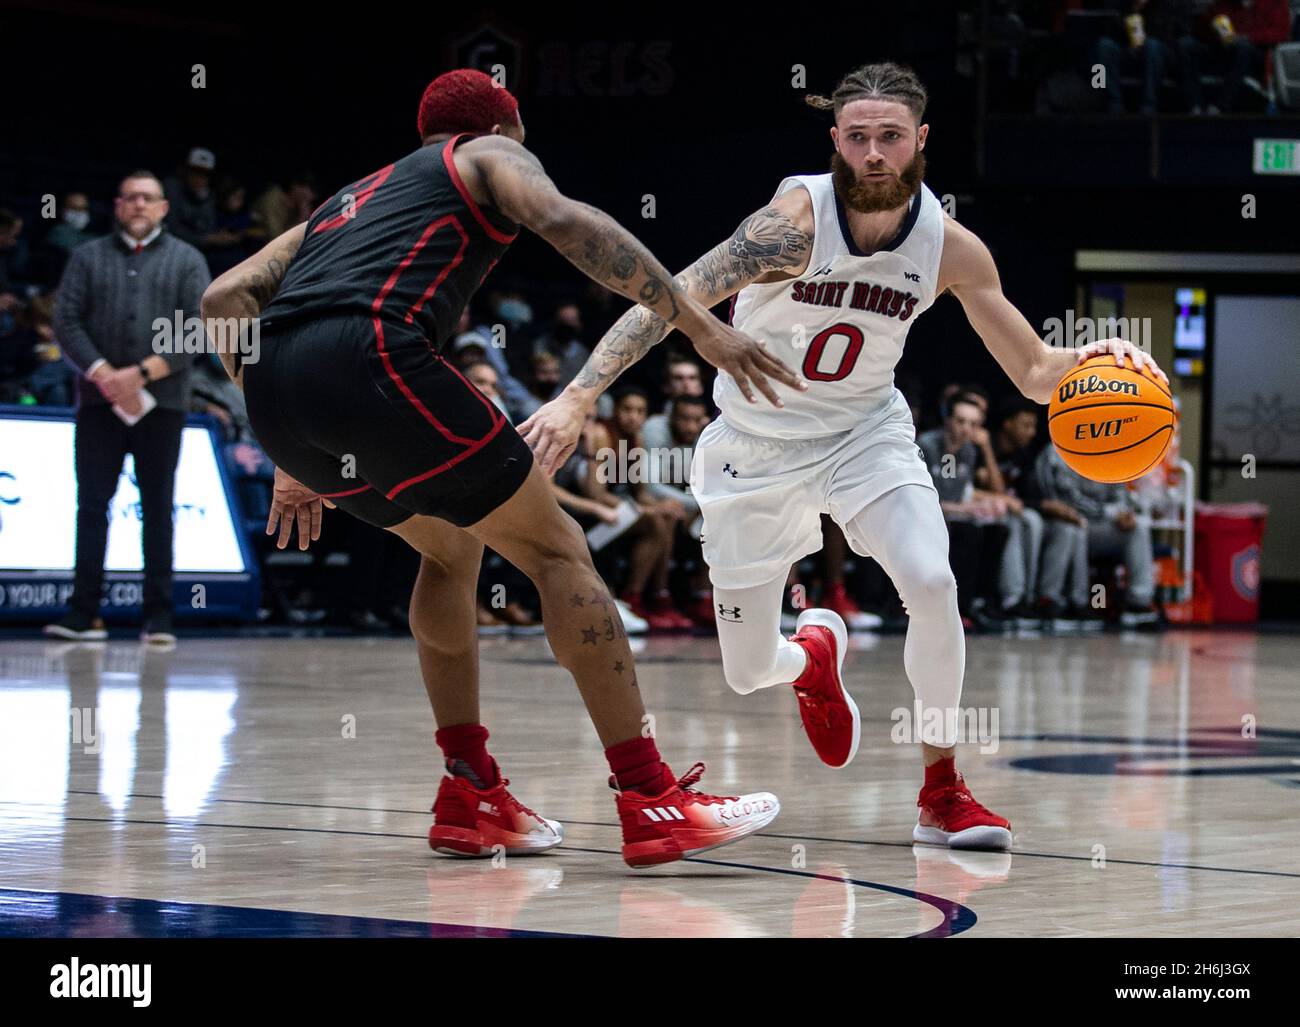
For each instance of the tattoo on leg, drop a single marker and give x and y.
(589, 635)
(576, 600)
(601, 598)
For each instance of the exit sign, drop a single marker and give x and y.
(1277, 157)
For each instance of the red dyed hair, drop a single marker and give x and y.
(465, 100)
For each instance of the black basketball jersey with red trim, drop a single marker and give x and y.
(406, 246)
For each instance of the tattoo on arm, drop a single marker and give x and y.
(765, 241)
(607, 253)
(628, 341)
(265, 279)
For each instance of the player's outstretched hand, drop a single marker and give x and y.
(1121, 348)
(552, 432)
(745, 360)
(294, 502)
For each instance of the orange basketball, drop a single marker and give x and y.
(1111, 423)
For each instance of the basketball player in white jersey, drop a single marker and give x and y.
(830, 276)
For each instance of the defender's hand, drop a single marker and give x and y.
(293, 502)
(747, 361)
(552, 432)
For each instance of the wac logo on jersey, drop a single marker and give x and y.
(1078, 387)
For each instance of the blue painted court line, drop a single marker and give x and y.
(45, 914)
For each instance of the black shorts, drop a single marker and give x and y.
(384, 428)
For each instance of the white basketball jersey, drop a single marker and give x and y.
(842, 324)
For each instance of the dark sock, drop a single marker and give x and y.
(465, 749)
(638, 767)
(942, 772)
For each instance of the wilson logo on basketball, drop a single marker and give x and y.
(1079, 387)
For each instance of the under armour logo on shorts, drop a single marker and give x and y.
(728, 469)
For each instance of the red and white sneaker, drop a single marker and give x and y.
(830, 716)
(950, 816)
(681, 821)
(469, 821)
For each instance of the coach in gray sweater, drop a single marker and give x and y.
(113, 289)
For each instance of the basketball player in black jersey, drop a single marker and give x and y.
(355, 405)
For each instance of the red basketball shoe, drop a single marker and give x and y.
(830, 716)
(469, 821)
(950, 816)
(681, 822)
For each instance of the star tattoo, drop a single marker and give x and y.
(589, 635)
(576, 600)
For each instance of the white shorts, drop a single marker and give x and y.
(762, 499)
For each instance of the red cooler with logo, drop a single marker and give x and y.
(1229, 540)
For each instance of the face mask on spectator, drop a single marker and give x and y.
(515, 311)
(77, 219)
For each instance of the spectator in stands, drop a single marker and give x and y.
(576, 484)
(217, 396)
(670, 469)
(472, 345)
(976, 537)
(544, 382)
(1231, 41)
(14, 284)
(279, 208)
(563, 339)
(682, 379)
(1114, 530)
(236, 222)
(49, 380)
(628, 462)
(1063, 574)
(1146, 46)
(467, 348)
(193, 204)
(578, 488)
(111, 293)
(509, 315)
(70, 231)
(17, 357)
(973, 393)
(1008, 472)
(17, 346)
(507, 326)
(483, 376)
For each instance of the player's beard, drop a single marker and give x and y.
(869, 197)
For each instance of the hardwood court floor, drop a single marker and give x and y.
(224, 797)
